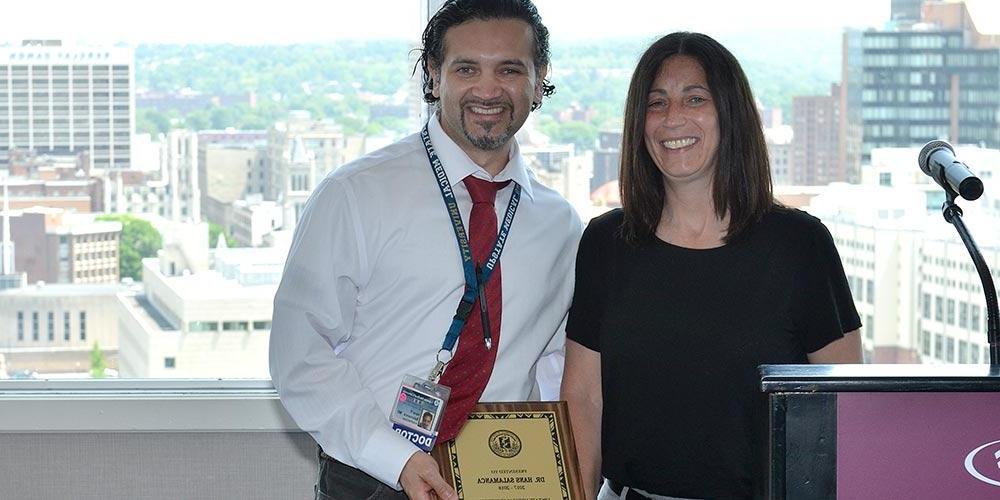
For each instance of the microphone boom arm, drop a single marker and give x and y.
(953, 214)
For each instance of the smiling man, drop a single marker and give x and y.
(442, 247)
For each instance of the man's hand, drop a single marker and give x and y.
(421, 479)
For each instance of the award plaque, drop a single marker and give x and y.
(513, 451)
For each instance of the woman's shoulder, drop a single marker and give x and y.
(606, 224)
(603, 233)
(791, 221)
(796, 231)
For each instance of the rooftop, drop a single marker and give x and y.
(41, 289)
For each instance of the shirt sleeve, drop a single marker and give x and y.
(549, 368)
(826, 311)
(313, 312)
(584, 323)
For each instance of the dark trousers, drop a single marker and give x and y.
(341, 482)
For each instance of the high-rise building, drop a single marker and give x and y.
(300, 152)
(851, 86)
(180, 170)
(937, 79)
(230, 166)
(606, 158)
(173, 192)
(816, 140)
(779, 152)
(905, 11)
(253, 219)
(136, 192)
(914, 285)
(62, 99)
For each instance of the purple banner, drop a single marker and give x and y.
(918, 445)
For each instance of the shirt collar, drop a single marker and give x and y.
(458, 165)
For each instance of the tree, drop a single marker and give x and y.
(97, 363)
(223, 117)
(213, 235)
(198, 120)
(581, 134)
(139, 240)
(151, 122)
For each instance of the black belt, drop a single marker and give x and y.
(629, 495)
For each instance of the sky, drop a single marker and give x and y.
(252, 22)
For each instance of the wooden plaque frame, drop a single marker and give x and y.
(497, 418)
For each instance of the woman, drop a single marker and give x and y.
(700, 278)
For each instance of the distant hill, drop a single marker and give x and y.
(333, 79)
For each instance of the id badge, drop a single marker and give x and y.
(418, 411)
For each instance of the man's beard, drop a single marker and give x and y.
(486, 142)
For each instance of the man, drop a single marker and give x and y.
(378, 272)
(427, 420)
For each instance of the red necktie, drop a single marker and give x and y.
(470, 368)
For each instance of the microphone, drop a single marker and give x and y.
(937, 159)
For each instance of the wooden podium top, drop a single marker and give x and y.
(879, 378)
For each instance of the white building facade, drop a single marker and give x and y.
(913, 281)
(53, 327)
(213, 323)
(68, 98)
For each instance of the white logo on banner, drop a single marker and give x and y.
(970, 458)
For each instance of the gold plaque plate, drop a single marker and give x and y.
(513, 451)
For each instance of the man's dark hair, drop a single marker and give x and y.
(742, 179)
(455, 12)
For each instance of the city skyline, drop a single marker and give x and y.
(203, 188)
(188, 21)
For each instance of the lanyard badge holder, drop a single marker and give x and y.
(420, 404)
(418, 411)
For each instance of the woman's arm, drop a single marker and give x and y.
(581, 388)
(843, 350)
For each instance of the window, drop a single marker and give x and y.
(951, 312)
(902, 78)
(203, 326)
(231, 326)
(951, 350)
(83, 325)
(34, 326)
(169, 362)
(963, 351)
(938, 346)
(52, 326)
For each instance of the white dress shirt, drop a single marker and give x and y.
(373, 279)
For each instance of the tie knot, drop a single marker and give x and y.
(483, 191)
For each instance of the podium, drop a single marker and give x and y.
(882, 431)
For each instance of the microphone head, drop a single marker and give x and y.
(971, 188)
(923, 159)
